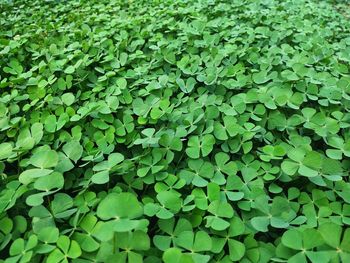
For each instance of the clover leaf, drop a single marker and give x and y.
(236, 248)
(177, 132)
(219, 210)
(196, 243)
(199, 174)
(22, 250)
(66, 248)
(130, 245)
(164, 242)
(302, 243)
(337, 240)
(306, 164)
(103, 168)
(119, 206)
(200, 146)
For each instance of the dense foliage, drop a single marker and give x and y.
(174, 131)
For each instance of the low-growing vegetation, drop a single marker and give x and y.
(174, 131)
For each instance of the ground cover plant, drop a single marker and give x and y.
(174, 131)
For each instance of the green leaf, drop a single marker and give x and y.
(50, 123)
(73, 150)
(49, 182)
(260, 223)
(69, 70)
(221, 209)
(202, 242)
(207, 144)
(174, 255)
(44, 159)
(260, 77)
(48, 234)
(217, 223)
(331, 234)
(289, 167)
(193, 149)
(27, 176)
(5, 150)
(122, 205)
(68, 98)
(220, 129)
(236, 249)
(100, 177)
(170, 200)
(293, 239)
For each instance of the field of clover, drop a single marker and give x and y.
(176, 131)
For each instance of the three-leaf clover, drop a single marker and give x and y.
(200, 146)
(301, 244)
(220, 211)
(195, 243)
(66, 249)
(305, 163)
